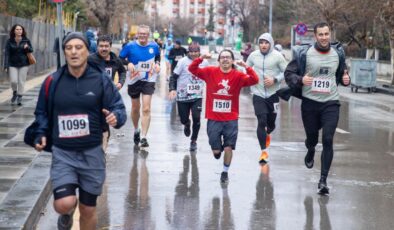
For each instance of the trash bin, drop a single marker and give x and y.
(363, 74)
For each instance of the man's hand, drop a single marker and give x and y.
(307, 80)
(241, 63)
(157, 67)
(110, 118)
(172, 95)
(268, 81)
(206, 56)
(118, 86)
(346, 78)
(130, 67)
(6, 69)
(40, 146)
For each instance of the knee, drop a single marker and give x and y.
(146, 111)
(65, 205)
(228, 149)
(262, 123)
(328, 141)
(87, 212)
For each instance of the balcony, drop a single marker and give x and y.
(201, 11)
(201, 1)
(192, 2)
(222, 11)
(221, 1)
(221, 21)
(175, 2)
(191, 11)
(220, 32)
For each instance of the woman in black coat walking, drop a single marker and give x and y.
(16, 62)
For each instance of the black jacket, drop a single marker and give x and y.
(115, 63)
(15, 54)
(295, 70)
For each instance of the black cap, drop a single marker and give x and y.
(75, 35)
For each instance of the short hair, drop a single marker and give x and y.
(12, 31)
(142, 26)
(104, 38)
(320, 25)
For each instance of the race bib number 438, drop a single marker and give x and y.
(321, 85)
(222, 106)
(144, 66)
(72, 126)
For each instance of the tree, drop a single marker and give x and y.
(211, 25)
(183, 27)
(387, 17)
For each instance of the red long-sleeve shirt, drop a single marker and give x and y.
(223, 89)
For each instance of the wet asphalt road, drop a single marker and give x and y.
(167, 187)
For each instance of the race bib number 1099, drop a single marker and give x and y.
(72, 126)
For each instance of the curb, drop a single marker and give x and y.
(22, 206)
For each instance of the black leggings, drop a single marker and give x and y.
(184, 109)
(265, 120)
(316, 116)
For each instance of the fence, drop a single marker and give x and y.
(42, 37)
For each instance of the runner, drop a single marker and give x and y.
(143, 58)
(176, 54)
(111, 64)
(269, 64)
(315, 73)
(187, 89)
(223, 85)
(73, 105)
(167, 48)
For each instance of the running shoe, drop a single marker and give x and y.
(322, 188)
(19, 100)
(137, 137)
(65, 222)
(186, 130)
(193, 146)
(268, 141)
(263, 157)
(217, 156)
(144, 142)
(224, 178)
(309, 159)
(14, 97)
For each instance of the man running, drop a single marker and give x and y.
(111, 64)
(223, 85)
(314, 73)
(176, 54)
(269, 64)
(143, 58)
(73, 105)
(187, 89)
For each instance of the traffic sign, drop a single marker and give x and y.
(301, 29)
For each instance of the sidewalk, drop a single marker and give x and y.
(24, 173)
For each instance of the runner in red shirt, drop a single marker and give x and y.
(223, 85)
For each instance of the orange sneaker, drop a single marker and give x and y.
(268, 141)
(263, 157)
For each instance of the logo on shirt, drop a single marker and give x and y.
(225, 89)
(90, 94)
(151, 50)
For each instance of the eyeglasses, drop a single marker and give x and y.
(225, 57)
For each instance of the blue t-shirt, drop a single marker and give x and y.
(143, 59)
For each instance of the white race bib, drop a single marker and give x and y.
(194, 88)
(108, 70)
(177, 58)
(71, 126)
(276, 107)
(321, 85)
(144, 66)
(221, 106)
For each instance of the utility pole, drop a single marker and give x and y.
(60, 28)
(270, 22)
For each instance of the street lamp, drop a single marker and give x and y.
(205, 36)
(75, 20)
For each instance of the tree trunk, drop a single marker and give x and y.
(392, 58)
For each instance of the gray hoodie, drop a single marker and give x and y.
(272, 64)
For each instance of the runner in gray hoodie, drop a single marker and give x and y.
(269, 65)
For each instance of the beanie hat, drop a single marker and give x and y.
(75, 35)
(194, 47)
(178, 42)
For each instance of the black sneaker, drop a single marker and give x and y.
(137, 137)
(186, 130)
(65, 222)
(224, 177)
(19, 100)
(193, 146)
(322, 188)
(217, 156)
(309, 159)
(144, 142)
(14, 97)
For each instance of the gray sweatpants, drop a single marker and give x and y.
(18, 78)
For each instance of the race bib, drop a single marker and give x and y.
(71, 126)
(108, 70)
(177, 58)
(194, 89)
(321, 85)
(276, 107)
(222, 106)
(144, 66)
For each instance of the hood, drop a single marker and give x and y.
(89, 35)
(267, 37)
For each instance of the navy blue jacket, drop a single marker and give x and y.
(112, 101)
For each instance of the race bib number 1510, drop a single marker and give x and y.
(222, 106)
